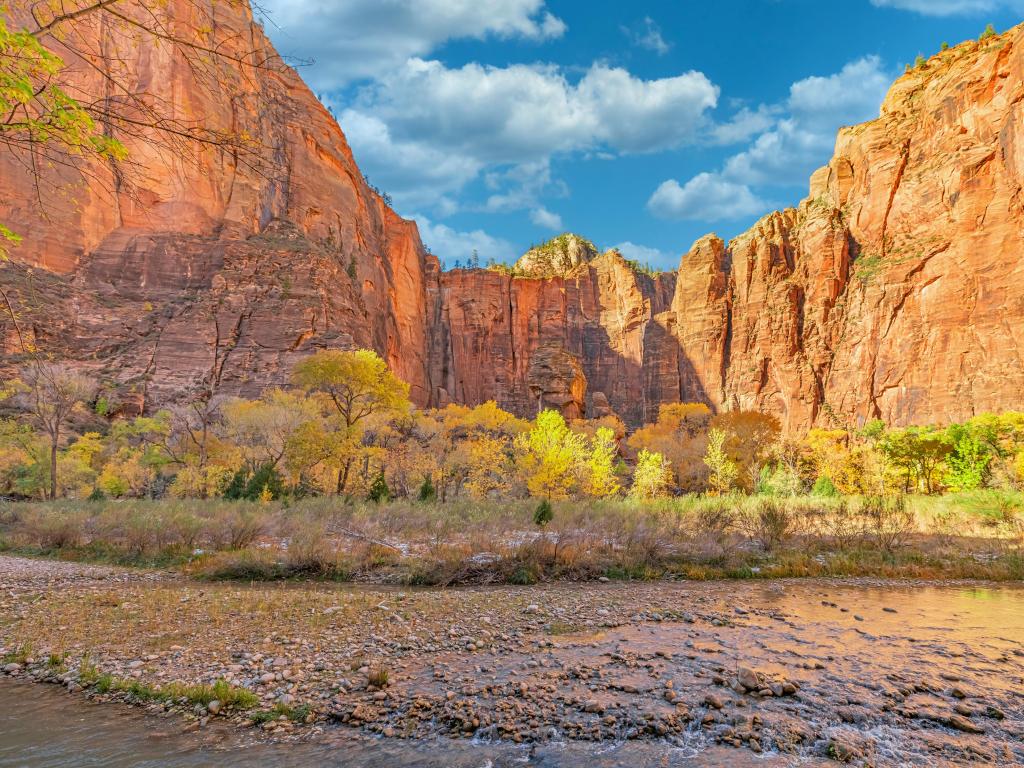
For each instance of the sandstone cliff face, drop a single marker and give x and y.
(211, 263)
(488, 327)
(896, 290)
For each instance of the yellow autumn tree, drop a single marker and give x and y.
(722, 468)
(602, 480)
(680, 435)
(834, 459)
(489, 466)
(550, 457)
(263, 428)
(651, 476)
(352, 387)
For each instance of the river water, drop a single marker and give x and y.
(872, 639)
(42, 727)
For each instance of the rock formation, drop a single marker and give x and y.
(559, 257)
(895, 290)
(556, 380)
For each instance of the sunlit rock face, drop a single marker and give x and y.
(896, 289)
(210, 262)
(558, 257)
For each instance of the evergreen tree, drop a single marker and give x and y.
(379, 491)
(543, 514)
(427, 490)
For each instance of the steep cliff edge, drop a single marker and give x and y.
(896, 289)
(210, 264)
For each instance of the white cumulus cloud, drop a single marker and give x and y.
(949, 7)
(351, 40)
(451, 245)
(542, 217)
(799, 138)
(705, 197)
(425, 127)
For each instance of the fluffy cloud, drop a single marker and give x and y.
(451, 245)
(414, 173)
(432, 128)
(524, 113)
(817, 107)
(360, 39)
(648, 35)
(744, 124)
(799, 140)
(949, 7)
(521, 187)
(706, 197)
(851, 95)
(542, 217)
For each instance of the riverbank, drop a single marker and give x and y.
(859, 671)
(971, 536)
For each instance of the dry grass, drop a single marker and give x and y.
(971, 535)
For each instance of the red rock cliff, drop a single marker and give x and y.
(210, 262)
(895, 290)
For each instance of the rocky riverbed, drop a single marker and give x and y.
(865, 672)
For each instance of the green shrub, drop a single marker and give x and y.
(824, 487)
(989, 32)
(544, 514)
(263, 484)
(427, 490)
(379, 491)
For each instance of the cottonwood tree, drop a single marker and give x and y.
(723, 469)
(651, 476)
(551, 457)
(264, 428)
(352, 386)
(602, 481)
(50, 394)
(751, 437)
(680, 435)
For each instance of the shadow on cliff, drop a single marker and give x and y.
(635, 391)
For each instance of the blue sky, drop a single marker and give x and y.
(643, 125)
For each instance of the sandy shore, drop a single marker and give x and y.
(862, 672)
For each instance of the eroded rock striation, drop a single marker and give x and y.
(895, 290)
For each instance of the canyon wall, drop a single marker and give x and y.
(201, 262)
(895, 290)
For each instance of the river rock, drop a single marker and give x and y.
(961, 723)
(748, 678)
